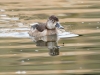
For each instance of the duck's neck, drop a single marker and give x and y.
(50, 29)
(50, 25)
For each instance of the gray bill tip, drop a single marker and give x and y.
(59, 25)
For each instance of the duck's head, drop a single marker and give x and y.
(51, 22)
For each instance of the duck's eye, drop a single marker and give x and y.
(54, 23)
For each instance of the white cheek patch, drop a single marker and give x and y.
(51, 25)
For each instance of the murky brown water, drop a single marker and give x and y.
(77, 56)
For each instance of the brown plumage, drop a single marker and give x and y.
(42, 29)
(53, 18)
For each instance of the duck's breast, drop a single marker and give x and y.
(51, 32)
(36, 33)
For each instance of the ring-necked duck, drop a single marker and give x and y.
(49, 28)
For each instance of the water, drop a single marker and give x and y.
(76, 55)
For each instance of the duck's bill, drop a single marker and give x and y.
(58, 25)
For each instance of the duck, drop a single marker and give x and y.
(51, 27)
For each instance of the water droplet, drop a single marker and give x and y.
(2, 10)
(88, 49)
(23, 72)
(15, 54)
(97, 27)
(36, 50)
(22, 61)
(18, 72)
(82, 22)
(98, 22)
(21, 50)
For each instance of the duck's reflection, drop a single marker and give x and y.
(50, 42)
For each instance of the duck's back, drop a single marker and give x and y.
(37, 29)
(41, 26)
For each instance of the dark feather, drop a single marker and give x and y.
(41, 27)
(34, 26)
(53, 18)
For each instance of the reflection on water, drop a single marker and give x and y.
(72, 55)
(50, 42)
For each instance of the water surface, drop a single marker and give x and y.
(77, 55)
